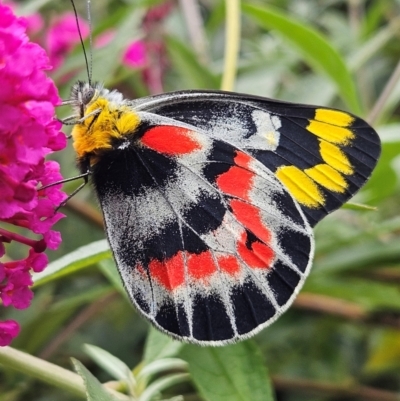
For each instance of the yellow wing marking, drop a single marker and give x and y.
(327, 177)
(334, 156)
(332, 128)
(330, 133)
(302, 187)
(333, 117)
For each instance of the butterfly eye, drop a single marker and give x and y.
(87, 95)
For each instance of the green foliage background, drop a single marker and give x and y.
(341, 339)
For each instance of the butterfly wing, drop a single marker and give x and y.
(210, 245)
(322, 156)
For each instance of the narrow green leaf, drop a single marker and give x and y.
(159, 345)
(315, 48)
(154, 389)
(83, 257)
(94, 390)
(234, 373)
(111, 364)
(192, 72)
(359, 206)
(159, 366)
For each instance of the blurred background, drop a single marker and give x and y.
(341, 338)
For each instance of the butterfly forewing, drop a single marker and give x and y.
(210, 245)
(322, 156)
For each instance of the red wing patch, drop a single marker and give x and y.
(201, 266)
(169, 273)
(242, 159)
(250, 217)
(236, 182)
(229, 264)
(257, 256)
(170, 140)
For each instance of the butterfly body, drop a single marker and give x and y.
(209, 199)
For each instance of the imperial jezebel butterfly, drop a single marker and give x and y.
(209, 199)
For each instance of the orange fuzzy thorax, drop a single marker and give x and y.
(95, 134)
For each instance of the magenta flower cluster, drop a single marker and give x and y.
(28, 132)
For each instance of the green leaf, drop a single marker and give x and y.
(359, 206)
(190, 70)
(234, 373)
(159, 345)
(94, 390)
(160, 365)
(154, 389)
(79, 259)
(315, 48)
(111, 364)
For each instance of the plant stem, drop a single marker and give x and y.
(231, 43)
(378, 108)
(47, 372)
(42, 370)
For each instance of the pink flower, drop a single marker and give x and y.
(135, 55)
(16, 292)
(63, 36)
(8, 330)
(104, 38)
(34, 21)
(28, 132)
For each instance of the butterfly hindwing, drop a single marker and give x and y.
(322, 156)
(210, 245)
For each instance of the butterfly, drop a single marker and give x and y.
(209, 199)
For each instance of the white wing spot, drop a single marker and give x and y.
(267, 129)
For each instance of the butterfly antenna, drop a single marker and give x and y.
(88, 69)
(89, 17)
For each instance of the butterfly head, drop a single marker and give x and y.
(84, 95)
